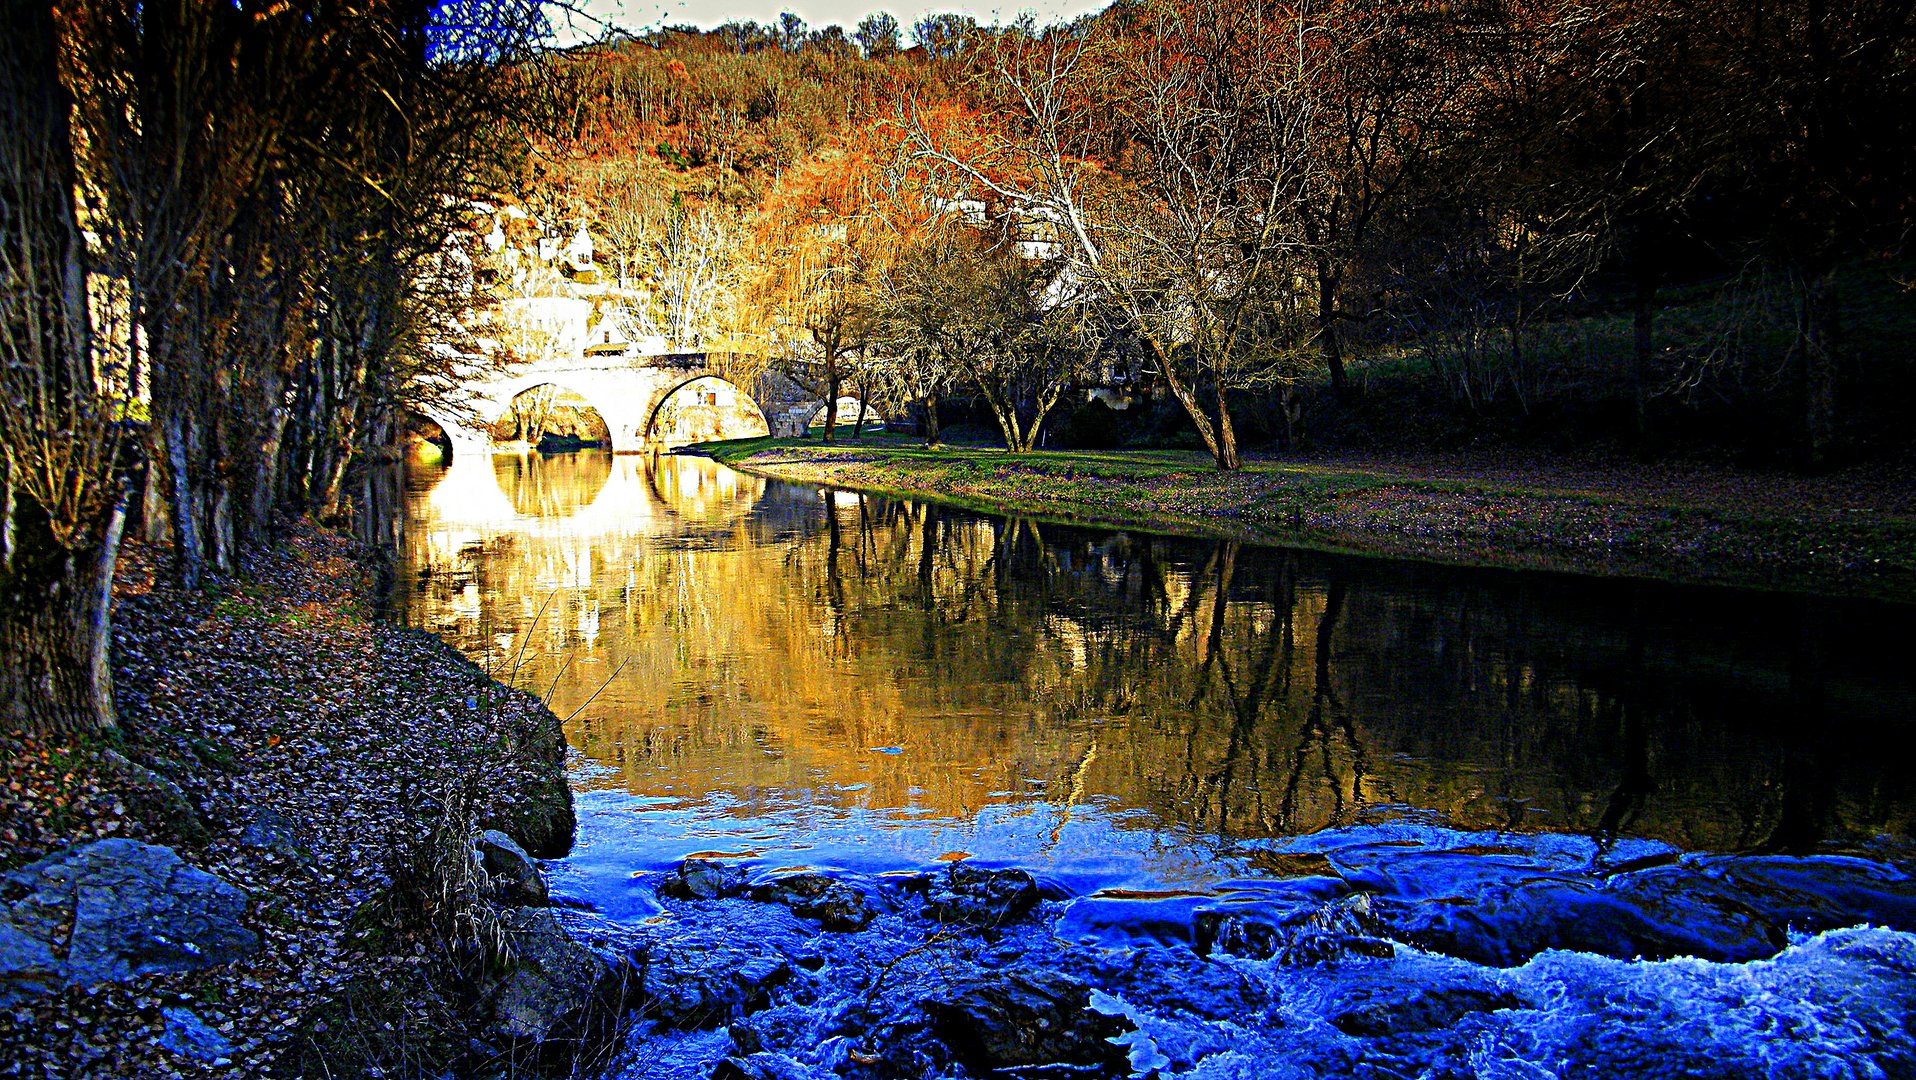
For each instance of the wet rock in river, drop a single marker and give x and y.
(1387, 1000)
(835, 904)
(975, 896)
(548, 986)
(1177, 978)
(1503, 930)
(1669, 914)
(113, 909)
(761, 1066)
(1820, 893)
(1689, 914)
(704, 879)
(701, 980)
(1338, 930)
(747, 1038)
(1027, 1020)
(513, 878)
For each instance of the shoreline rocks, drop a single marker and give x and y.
(543, 986)
(511, 877)
(278, 739)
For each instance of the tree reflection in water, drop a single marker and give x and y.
(772, 636)
(552, 486)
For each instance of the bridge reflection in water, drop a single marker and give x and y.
(828, 678)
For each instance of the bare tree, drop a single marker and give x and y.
(823, 323)
(877, 35)
(1377, 92)
(183, 105)
(909, 364)
(1184, 233)
(959, 305)
(61, 502)
(698, 273)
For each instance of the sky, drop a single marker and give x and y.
(649, 14)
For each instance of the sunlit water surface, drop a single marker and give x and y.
(804, 677)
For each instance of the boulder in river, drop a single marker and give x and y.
(1026, 1020)
(975, 896)
(513, 878)
(705, 879)
(834, 903)
(1331, 932)
(698, 981)
(114, 909)
(1386, 1000)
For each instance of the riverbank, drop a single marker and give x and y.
(330, 769)
(1852, 533)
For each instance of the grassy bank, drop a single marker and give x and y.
(1851, 533)
(277, 735)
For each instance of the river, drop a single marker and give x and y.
(1204, 752)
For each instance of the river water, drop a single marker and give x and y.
(1192, 742)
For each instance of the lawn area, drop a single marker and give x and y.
(1852, 533)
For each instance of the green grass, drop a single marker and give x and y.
(1692, 535)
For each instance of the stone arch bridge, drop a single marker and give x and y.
(628, 393)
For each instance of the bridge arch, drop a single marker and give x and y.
(462, 440)
(550, 412)
(704, 408)
(427, 440)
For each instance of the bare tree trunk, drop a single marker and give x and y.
(1329, 344)
(1643, 352)
(348, 376)
(178, 445)
(864, 393)
(931, 419)
(62, 503)
(1187, 398)
(1292, 405)
(831, 396)
(54, 629)
(1007, 417)
(1818, 331)
(1227, 459)
(156, 515)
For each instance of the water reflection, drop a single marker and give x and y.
(835, 679)
(552, 486)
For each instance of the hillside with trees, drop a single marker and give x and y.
(1655, 229)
